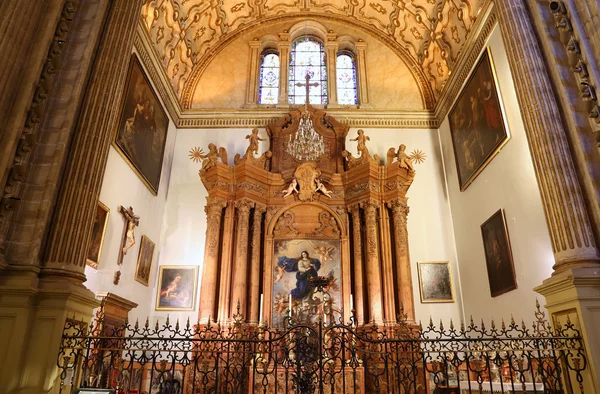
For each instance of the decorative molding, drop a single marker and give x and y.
(474, 46)
(196, 119)
(156, 73)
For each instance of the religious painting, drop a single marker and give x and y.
(144, 264)
(476, 123)
(98, 232)
(498, 255)
(296, 264)
(142, 129)
(176, 288)
(435, 282)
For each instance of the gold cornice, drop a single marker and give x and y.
(193, 119)
(149, 59)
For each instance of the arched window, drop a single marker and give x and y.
(268, 91)
(307, 56)
(345, 68)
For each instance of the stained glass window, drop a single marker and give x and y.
(307, 56)
(346, 79)
(268, 91)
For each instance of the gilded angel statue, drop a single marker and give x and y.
(208, 159)
(404, 159)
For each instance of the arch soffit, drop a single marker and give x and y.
(425, 88)
(284, 209)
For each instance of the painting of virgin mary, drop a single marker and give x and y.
(305, 268)
(295, 264)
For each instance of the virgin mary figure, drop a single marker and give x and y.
(305, 268)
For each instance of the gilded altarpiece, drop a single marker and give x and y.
(274, 222)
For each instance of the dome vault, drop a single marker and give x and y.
(429, 35)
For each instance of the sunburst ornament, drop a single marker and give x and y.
(418, 156)
(196, 154)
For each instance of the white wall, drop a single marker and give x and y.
(430, 232)
(122, 186)
(507, 182)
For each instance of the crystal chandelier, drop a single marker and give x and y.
(308, 145)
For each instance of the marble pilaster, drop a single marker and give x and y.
(73, 219)
(240, 271)
(208, 291)
(568, 222)
(257, 220)
(358, 265)
(372, 268)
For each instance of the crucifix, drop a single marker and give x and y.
(307, 85)
(128, 240)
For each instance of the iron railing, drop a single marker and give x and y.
(332, 357)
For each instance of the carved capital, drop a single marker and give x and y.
(214, 206)
(399, 208)
(244, 206)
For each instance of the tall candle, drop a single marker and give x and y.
(260, 314)
(351, 302)
(290, 307)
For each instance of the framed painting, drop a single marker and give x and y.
(98, 232)
(498, 255)
(176, 288)
(296, 262)
(435, 282)
(477, 124)
(144, 264)
(142, 130)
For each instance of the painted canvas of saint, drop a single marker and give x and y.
(295, 263)
(176, 287)
(476, 123)
(498, 255)
(142, 130)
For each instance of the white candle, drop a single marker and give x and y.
(260, 314)
(351, 302)
(290, 307)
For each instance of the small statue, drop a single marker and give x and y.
(321, 188)
(404, 160)
(292, 188)
(361, 139)
(254, 139)
(208, 159)
(132, 221)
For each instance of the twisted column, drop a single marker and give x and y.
(571, 234)
(73, 220)
(404, 280)
(259, 209)
(240, 273)
(208, 292)
(372, 263)
(358, 265)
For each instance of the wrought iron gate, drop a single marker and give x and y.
(326, 358)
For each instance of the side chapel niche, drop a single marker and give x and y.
(275, 222)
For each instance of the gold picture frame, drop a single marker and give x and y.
(435, 282)
(478, 127)
(177, 294)
(144, 263)
(142, 130)
(98, 232)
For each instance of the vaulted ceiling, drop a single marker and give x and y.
(428, 34)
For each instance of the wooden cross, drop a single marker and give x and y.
(308, 85)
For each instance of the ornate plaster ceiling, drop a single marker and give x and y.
(428, 34)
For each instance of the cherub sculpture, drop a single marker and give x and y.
(361, 139)
(208, 159)
(254, 139)
(292, 188)
(403, 159)
(321, 188)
